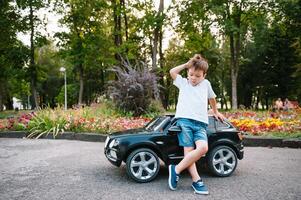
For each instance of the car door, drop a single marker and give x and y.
(211, 129)
(170, 145)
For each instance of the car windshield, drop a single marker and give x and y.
(157, 123)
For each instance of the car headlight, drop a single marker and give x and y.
(113, 143)
(107, 140)
(113, 154)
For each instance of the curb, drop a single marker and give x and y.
(88, 137)
(257, 141)
(249, 141)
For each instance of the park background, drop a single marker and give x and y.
(117, 54)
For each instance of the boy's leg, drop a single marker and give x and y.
(192, 156)
(197, 183)
(187, 141)
(192, 168)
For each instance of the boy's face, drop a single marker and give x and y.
(195, 76)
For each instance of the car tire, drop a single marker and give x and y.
(142, 165)
(222, 161)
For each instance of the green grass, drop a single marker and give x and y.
(283, 134)
(8, 114)
(11, 113)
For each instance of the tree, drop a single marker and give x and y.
(49, 82)
(33, 23)
(157, 31)
(233, 18)
(194, 36)
(270, 51)
(87, 46)
(13, 54)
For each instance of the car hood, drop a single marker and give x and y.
(129, 132)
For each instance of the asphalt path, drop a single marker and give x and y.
(76, 170)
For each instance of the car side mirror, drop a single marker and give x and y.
(174, 129)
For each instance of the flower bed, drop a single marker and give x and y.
(104, 125)
(261, 123)
(16, 123)
(90, 119)
(101, 119)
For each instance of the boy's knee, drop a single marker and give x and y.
(205, 149)
(202, 149)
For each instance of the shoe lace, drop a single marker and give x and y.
(177, 178)
(200, 183)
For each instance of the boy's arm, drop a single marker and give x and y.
(176, 70)
(216, 114)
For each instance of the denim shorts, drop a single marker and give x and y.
(192, 131)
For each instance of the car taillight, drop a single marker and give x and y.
(240, 135)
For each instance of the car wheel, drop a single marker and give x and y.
(222, 161)
(142, 165)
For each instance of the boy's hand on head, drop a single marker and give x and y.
(188, 64)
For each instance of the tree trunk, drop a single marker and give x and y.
(237, 21)
(9, 103)
(154, 51)
(32, 68)
(234, 49)
(234, 89)
(165, 82)
(79, 66)
(1, 95)
(102, 78)
(117, 27)
(233, 74)
(156, 34)
(125, 20)
(81, 84)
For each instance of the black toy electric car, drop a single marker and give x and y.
(142, 148)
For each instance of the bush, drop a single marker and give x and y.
(135, 88)
(155, 108)
(47, 122)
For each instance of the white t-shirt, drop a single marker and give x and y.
(193, 100)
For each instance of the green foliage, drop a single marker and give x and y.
(72, 95)
(87, 46)
(284, 134)
(46, 122)
(155, 108)
(269, 57)
(272, 53)
(8, 114)
(20, 127)
(13, 54)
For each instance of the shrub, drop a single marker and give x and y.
(134, 89)
(47, 122)
(155, 108)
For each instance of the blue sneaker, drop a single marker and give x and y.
(173, 177)
(199, 187)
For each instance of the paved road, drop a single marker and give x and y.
(63, 169)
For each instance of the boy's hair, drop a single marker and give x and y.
(199, 63)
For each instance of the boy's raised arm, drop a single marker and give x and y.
(176, 70)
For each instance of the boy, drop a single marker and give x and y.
(192, 117)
